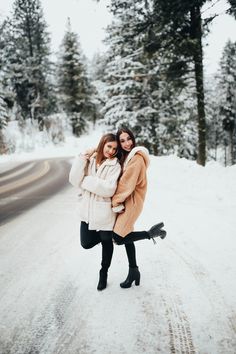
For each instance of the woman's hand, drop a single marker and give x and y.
(87, 156)
(88, 153)
(119, 209)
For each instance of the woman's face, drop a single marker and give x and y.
(110, 149)
(126, 142)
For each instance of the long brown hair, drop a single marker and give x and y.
(123, 153)
(107, 138)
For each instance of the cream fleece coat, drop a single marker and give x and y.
(131, 190)
(97, 186)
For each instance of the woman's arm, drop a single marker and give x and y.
(77, 171)
(128, 180)
(103, 187)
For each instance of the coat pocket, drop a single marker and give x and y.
(103, 213)
(79, 197)
(82, 207)
(78, 204)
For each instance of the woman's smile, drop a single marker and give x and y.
(126, 142)
(110, 149)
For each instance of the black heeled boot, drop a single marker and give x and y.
(102, 283)
(107, 251)
(156, 231)
(134, 236)
(133, 275)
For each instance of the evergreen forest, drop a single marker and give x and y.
(151, 79)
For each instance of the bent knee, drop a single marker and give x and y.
(118, 239)
(87, 246)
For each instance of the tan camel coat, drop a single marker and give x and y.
(131, 190)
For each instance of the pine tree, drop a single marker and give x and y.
(73, 85)
(129, 101)
(139, 92)
(175, 31)
(177, 129)
(232, 8)
(3, 121)
(2, 45)
(228, 97)
(215, 133)
(3, 112)
(175, 28)
(3, 105)
(28, 65)
(7, 93)
(97, 66)
(97, 69)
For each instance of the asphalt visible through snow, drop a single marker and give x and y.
(30, 183)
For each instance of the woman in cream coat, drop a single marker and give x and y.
(128, 201)
(96, 175)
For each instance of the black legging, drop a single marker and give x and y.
(90, 238)
(131, 254)
(107, 252)
(131, 237)
(128, 241)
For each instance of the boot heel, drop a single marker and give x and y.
(137, 281)
(102, 283)
(133, 275)
(162, 234)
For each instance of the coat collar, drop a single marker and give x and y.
(140, 150)
(107, 162)
(110, 162)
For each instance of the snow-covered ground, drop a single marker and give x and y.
(36, 145)
(186, 301)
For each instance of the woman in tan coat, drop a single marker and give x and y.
(128, 201)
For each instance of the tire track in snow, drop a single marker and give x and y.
(177, 325)
(179, 328)
(221, 334)
(180, 336)
(207, 285)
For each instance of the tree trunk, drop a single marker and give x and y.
(196, 28)
(3, 147)
(231, 139)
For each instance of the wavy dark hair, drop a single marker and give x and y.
(107, 138)
(122, 153)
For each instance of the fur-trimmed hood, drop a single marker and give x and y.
(140, 150)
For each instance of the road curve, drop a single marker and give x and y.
(30, 183)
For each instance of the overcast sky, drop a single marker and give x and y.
(89, 18)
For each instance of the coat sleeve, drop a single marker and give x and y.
(103, 187)
(77, 171)
(128, 180)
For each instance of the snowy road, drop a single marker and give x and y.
(29, 183)
(185, 302)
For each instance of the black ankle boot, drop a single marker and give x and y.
(156, 231)
(133, 274)
(102, 283)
